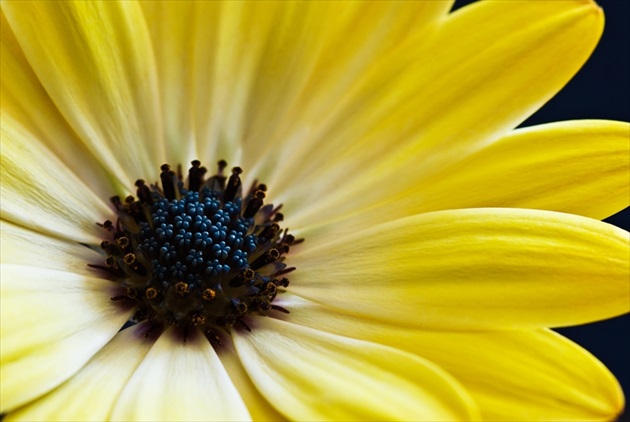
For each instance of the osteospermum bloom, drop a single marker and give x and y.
(439, 243)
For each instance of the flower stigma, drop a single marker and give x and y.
(203, 256)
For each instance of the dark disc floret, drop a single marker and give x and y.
(203, 256)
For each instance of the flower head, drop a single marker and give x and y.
(423, 246)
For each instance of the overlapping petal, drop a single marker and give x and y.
(175, 29)
(512, 375)
(257, 405)
(91, 394)
(180, 380)
(551, 167)
(473, 269)
(95, 61)
(436, 101)
(22, 246)
(41, 193)
(306, 71)
(261, 71)
(58, 321)
(310, 375)
(577, 167)
(55, 313)
(27, 102)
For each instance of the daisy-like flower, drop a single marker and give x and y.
(431, 244)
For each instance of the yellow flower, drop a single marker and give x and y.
(440, 242)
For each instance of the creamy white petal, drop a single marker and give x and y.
(257, 405)
(29, 248)
(90, 395)
(52, 323)
(180, 380)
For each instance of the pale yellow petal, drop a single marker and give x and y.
(311, 375)
(22, 246)
(473, 269)
(52, 322)
(95, 61)
(25, 100)
(90, 395)
(484, 71)
(257, 405)
(177, 28)
(41, 193)
(512, 375)
(180, 380)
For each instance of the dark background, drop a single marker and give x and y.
(601, 90)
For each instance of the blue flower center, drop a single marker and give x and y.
(205, 256)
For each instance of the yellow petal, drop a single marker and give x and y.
(577, 167)
(52, 323)
(95, 61)
(484, 70)
(311, 375)
(26, 101)
(533, 375)
(41, 193)
(512, 375)
(91, 394)
(254, 74)
(180, 381)
(474, 269)
(304, 71)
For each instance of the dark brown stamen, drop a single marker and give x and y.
(168, 182)
(143, 192)
(233, 185)
(195, 176)
(255, 203)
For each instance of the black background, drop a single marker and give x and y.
(601, 90)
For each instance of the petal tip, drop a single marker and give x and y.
(595, 9)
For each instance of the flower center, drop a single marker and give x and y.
(204, 256)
